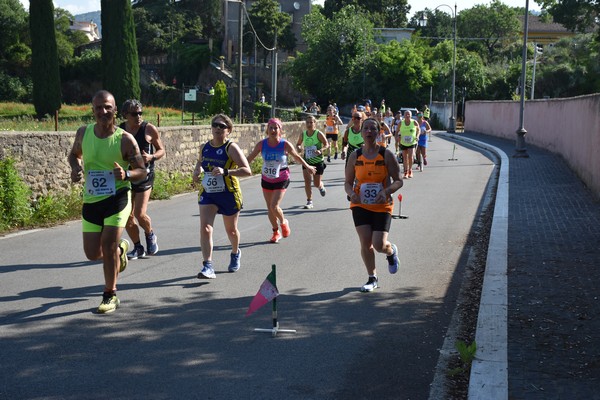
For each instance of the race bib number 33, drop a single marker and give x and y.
(369, 191)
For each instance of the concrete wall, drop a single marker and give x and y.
(42, 156)
(569, 127)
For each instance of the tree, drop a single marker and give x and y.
(15, 53)
(121, 74)
(576, 15)
(337, 63)
(383, 13)
(494, 27)
(219, 103)
(67, 40)
(44, 59)
(268, 23)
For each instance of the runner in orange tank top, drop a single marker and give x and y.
(372, 176)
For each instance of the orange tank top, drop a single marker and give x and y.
(370, 177)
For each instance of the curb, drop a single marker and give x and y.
(489, 371)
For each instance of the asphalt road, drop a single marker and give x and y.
(175, 336)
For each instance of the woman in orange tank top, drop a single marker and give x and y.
(372, 176)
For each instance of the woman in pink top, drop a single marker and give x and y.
(276, 174)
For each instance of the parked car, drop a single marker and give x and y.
(411, 109)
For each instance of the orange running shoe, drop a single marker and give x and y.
(285, 228)
(276, 236)
(410, 174)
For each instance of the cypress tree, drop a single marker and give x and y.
(44, 58)
(121, 70)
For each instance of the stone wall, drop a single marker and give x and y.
(42, 156)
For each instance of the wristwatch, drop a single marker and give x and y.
(127, 175)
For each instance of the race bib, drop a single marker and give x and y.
(271, 169)
(408, 139)
(213, 184)
(310, 151)
(369, 191)
(329, 129)
(100, 183)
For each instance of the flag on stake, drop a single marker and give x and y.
(267, 292)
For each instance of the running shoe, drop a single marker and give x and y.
(234, 264)
(335, 156)
(309, 205)
(410, 174)
(405, 175)
(276, 236)
(108, 304)
(137, 252)
(323, 191)
(370, 285)
(328, 158)
(285, 228)
(123, 246)
(151, 243)
(425, 160)
(393, 260)
(207, 271)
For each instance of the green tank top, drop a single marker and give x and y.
(311, 144)
(408, 134)
(99, 156)
(355, 139)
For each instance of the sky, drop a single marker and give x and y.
(82, 6)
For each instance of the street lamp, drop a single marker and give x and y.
(520, 150)
(423, 22)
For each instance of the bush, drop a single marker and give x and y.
(262, 112)
(14, 89)
(167, 185)
(15, 210)
(220, 100)
(86, 68)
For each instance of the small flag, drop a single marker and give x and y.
(267, 292)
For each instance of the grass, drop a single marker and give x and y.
(21, 117)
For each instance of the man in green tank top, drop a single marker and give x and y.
(102, 153)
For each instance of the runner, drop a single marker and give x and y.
(332, 123)
(372, 175)
(276, 174)
(103, 152)
(407, 132)
(424, 131)
(152, 149)
(352, 139)
(218, 169)
(313, 143)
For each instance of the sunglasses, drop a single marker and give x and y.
(136, 113)
(219, 125)
(355, 117)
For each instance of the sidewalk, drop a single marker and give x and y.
(553, 269)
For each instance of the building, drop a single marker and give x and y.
(386, 35)
(544, 33)
(88, 27)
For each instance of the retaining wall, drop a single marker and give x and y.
(569, 127)
(42, 156)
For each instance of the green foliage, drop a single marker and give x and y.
(338, 55)
(44, 59)
(401, 66)
(579, 16)
(86, 68)
(190, 60)
(219, 102)
(262, 112)
(55, 208)
(167, 185)
(256, 166)
(269, 22)
(120, 61)
(15, 211)
(467, 355)
(383, 13)
(496, 25)
(13, 88)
